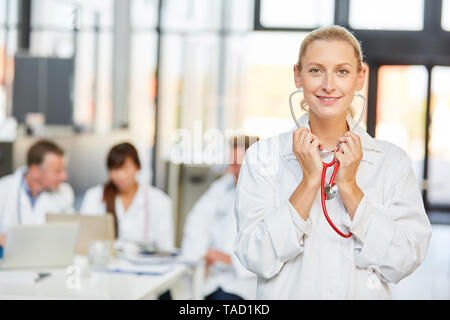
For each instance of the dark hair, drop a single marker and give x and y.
(37, 152)
(119, 153)
(243, 141)
(115, 159)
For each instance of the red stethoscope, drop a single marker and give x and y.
(329, 191)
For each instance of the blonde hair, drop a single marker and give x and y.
(330, 33)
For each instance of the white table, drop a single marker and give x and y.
(67, 284)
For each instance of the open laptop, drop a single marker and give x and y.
(36, 246)
(92, 228)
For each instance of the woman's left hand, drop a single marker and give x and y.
(349, 156)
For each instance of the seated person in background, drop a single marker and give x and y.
(142, 213)
(36, 189)
(210, 232)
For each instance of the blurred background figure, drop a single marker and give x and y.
(142, 213)
(35, 189)
(210, 231)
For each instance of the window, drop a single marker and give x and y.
(52, 34)
(269, 82)
(439, 148)
(144, 14)
(143, 54)
(385, 14)
(187, 15)
(296, 13)
(445, 22)
(52, 14)
(8, 47)
(401, 109)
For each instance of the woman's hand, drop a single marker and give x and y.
(349, 156)
(214, 256)
(304, 146)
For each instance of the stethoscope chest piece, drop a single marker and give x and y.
(330, 191)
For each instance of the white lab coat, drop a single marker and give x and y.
(211, 225)
(147, 219)
(11, 188)
(298, 259)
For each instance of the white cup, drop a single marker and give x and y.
(99, 254)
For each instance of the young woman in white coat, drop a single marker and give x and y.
(142, 213)
(283, 235)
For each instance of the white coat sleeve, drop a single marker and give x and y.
(240, 270)
(66, 198)
(197, 228)
(269, 233)
(393, 236)
(165, 237)
(3, 200)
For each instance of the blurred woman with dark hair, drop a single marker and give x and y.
(142, 213)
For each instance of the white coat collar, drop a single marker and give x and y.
(18, 174)
(21, 170)
(368, 144)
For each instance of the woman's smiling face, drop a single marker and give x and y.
(329, 77)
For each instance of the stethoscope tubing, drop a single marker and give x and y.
(323, 195)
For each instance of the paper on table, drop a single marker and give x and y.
(18, 276)
(150, 259)
(154, 260)
(128, 267)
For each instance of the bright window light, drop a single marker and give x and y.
(445, 22)
(297, 13)
(386, 14)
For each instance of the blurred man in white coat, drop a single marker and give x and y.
(210, 231)
(35, 189)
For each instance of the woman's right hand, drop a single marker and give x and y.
(305, 146)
